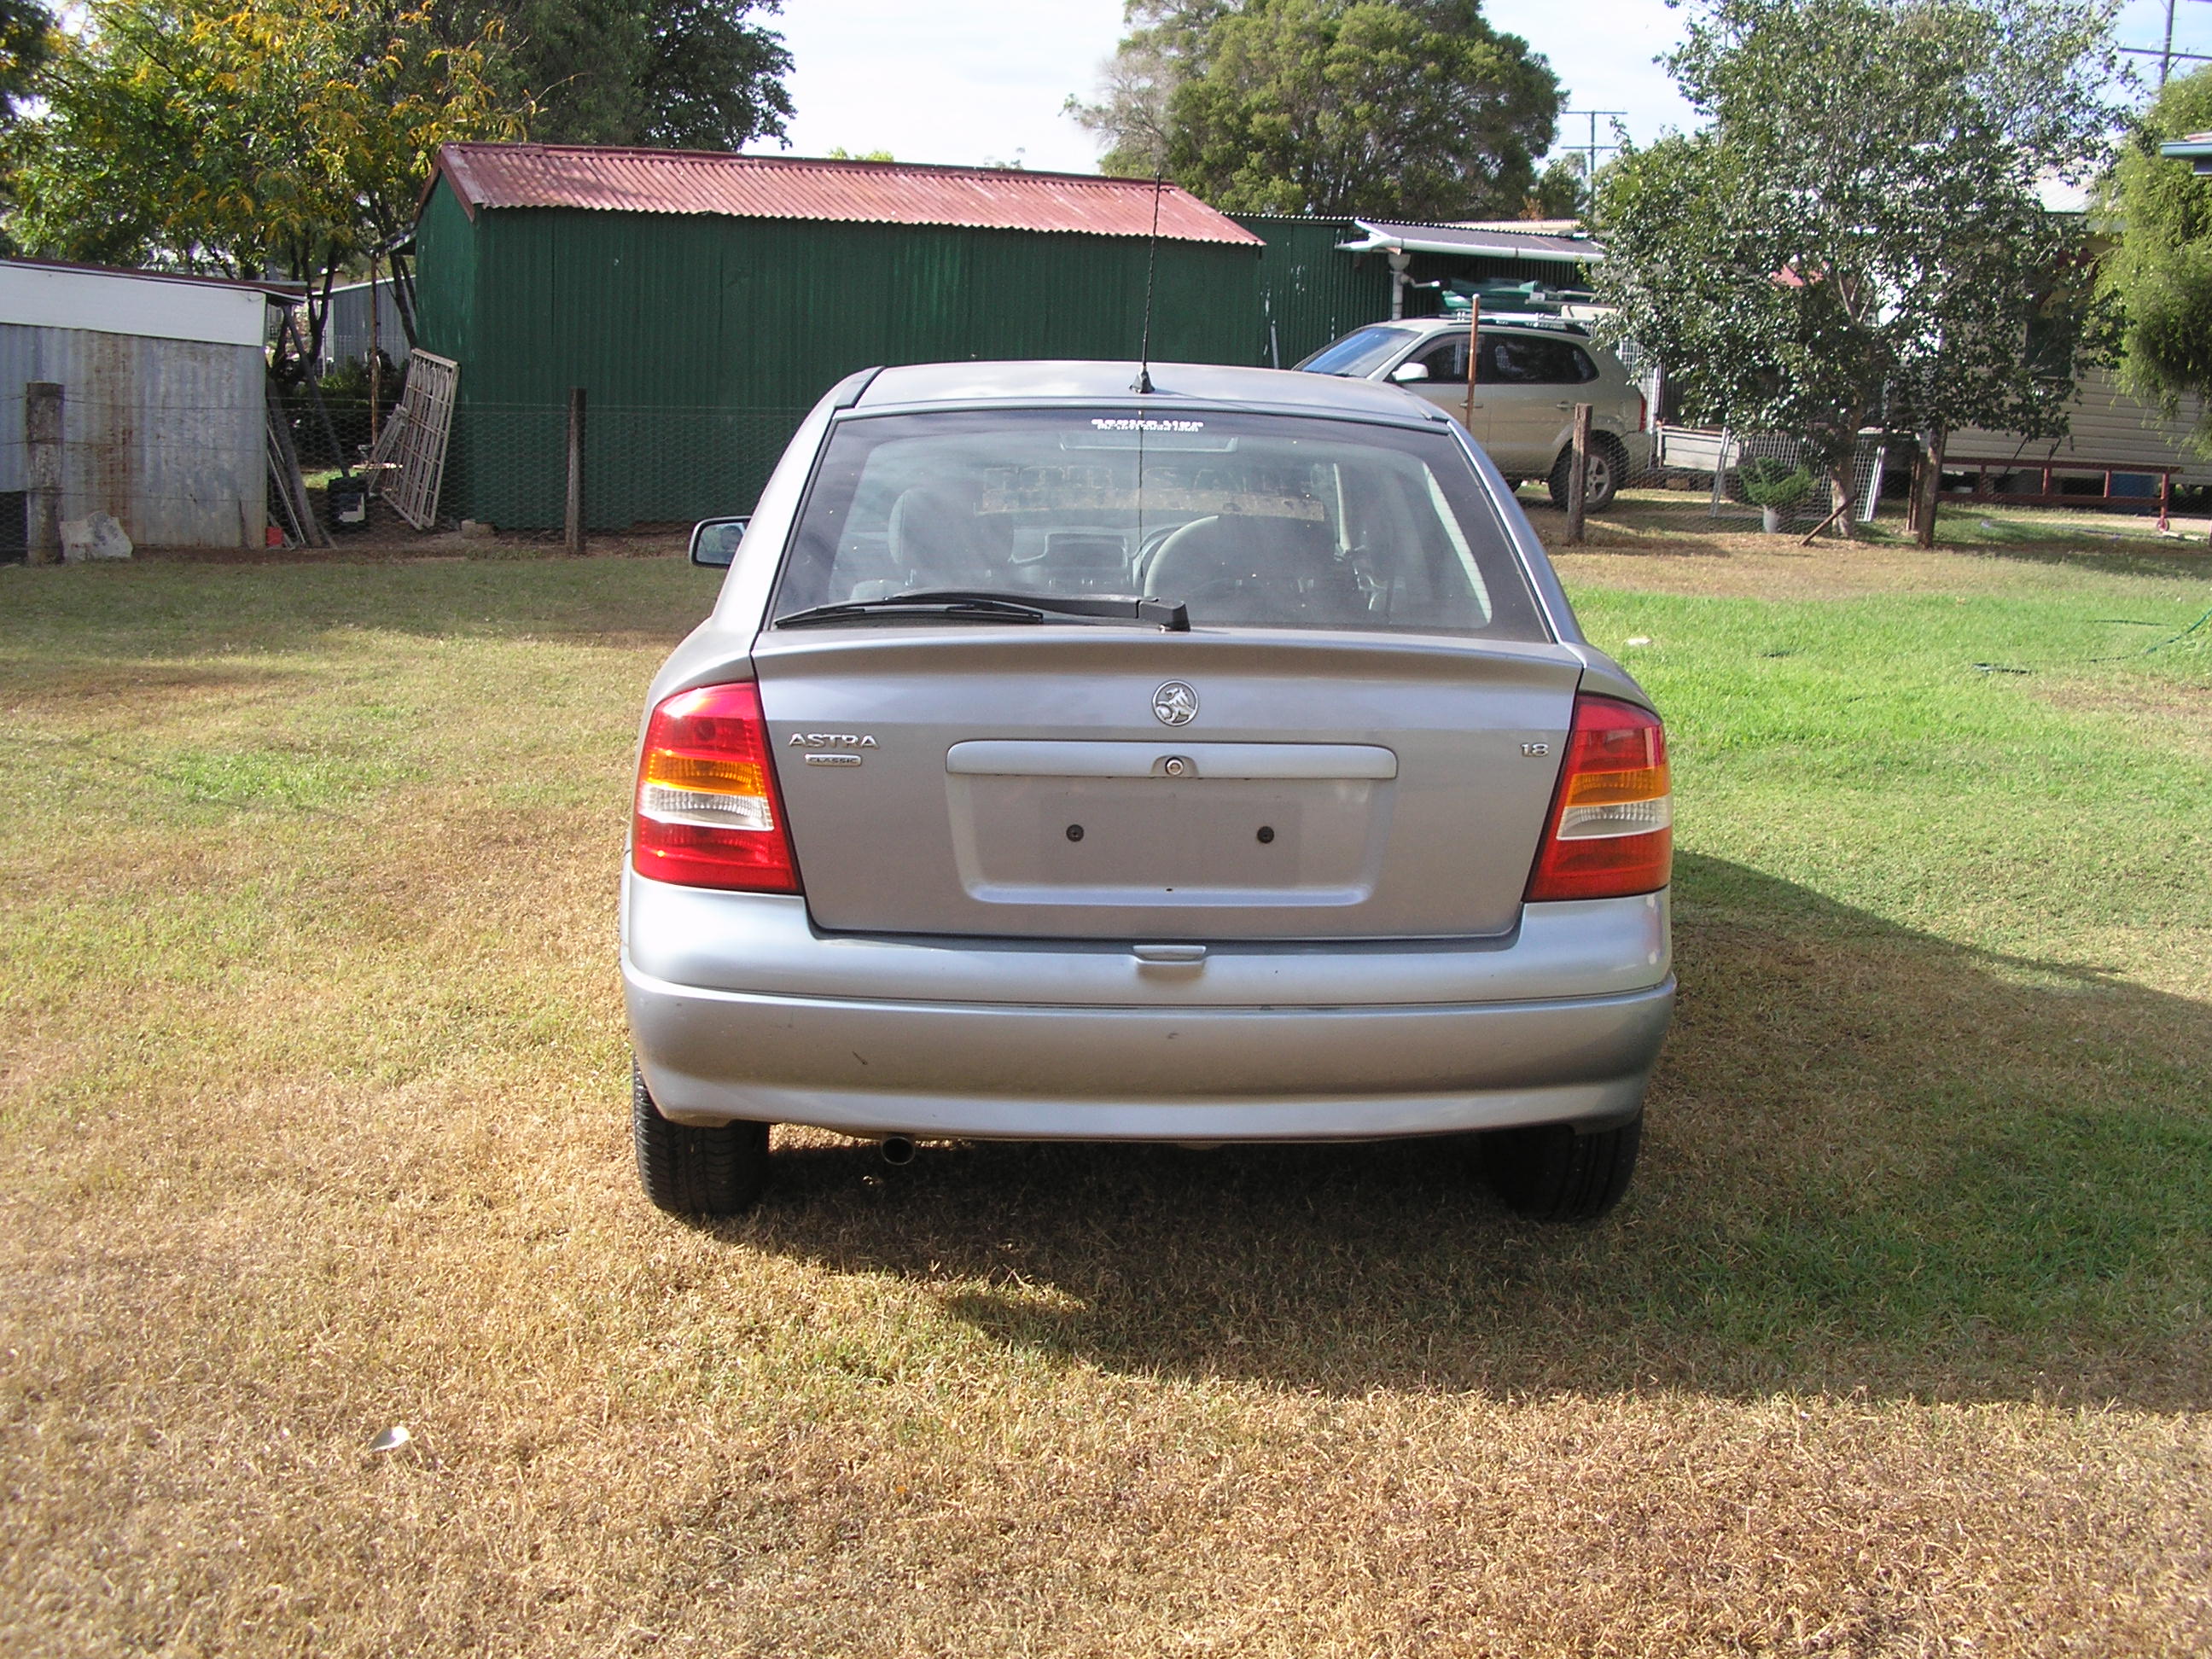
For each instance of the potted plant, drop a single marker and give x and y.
(1773, 487)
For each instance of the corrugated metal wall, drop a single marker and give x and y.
(168, 435)
(346, 332)
(2107, 429)
(1309, 293)
(700, 341)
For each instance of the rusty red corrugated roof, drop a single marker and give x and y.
(779, 187)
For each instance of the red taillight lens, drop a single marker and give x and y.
(1642, 412)
(1610, 830)
(707, 813)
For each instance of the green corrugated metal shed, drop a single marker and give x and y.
(1309, 293)
(702, 332)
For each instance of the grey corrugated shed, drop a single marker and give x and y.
(168, 435)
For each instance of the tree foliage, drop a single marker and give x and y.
(246, 139)
(2160, 271)
(1413, 107)
(27, 43)
(1856, 236)
(682, 74)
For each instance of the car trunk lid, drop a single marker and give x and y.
(1025, 782)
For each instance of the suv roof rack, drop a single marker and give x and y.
(1513, 320)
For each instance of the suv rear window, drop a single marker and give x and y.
(1531, 360)
(1255, 519)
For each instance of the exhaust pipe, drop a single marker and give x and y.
(897, 1150)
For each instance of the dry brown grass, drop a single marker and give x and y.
(311, 1123)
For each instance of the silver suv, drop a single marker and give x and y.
(1214, 762)
(1532, 373)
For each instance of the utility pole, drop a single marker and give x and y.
(2167, 55)
(1590, 149)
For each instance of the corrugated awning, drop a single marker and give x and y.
(2196, 149)
(776, 187)
(1386, 235)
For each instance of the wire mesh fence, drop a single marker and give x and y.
(1710, 479)
(507, 464)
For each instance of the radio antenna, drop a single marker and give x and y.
(1143, 384)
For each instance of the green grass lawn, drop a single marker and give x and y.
(311, 1092)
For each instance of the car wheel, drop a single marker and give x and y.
(692, 1171)
(1608, 465)
(1549, 1173)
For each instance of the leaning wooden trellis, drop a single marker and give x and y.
(407, 465)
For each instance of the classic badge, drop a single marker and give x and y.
(1175, 704)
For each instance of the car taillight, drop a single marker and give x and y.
(1642, 412)
(708, 814)
(1611, 829)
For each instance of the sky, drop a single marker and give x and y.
(971, 82)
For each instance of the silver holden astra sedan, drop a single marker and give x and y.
(1214, 762)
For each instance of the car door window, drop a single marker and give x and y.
(1446, 362)
(1531, 360)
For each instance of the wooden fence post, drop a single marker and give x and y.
(1473, 356)
(42, 446)
(1578, 476)
(575, 510)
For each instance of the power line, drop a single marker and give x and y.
(2166, 54)
(1593, 147)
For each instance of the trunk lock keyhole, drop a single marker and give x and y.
(1075, 832)
(1267, 834)
(1175, 766)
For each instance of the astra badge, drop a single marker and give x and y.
(830, 740)
(1175, 704)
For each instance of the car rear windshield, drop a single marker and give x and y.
(1248, 520)
(1358, 355)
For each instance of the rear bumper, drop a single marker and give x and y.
(990, 1042)
(1048, 1074)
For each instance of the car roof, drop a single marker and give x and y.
(1280, 389)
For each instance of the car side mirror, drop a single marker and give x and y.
(714, 541)
(1405, 374)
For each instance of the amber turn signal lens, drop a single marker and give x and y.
(1610, 833)
(707, 812)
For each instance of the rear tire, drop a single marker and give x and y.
(1608, 467)
(1549, 1173)
(692, 1171)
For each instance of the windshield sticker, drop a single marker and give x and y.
(1145, 423)
(1074, 495)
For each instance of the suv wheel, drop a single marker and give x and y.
(692, 1171)
(1549, 1173)
(1609, 468)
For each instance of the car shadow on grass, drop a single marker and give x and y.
(1876, 1160)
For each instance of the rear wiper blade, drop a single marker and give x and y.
(975, 604)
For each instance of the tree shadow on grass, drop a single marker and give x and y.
(1876, 1160)
(2099, 557)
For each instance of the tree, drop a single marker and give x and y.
(27, 43)
(279, 137)
(2160, 271)
(1562, 190)
(1856, 235)
(1416, 108)
(683, 74)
